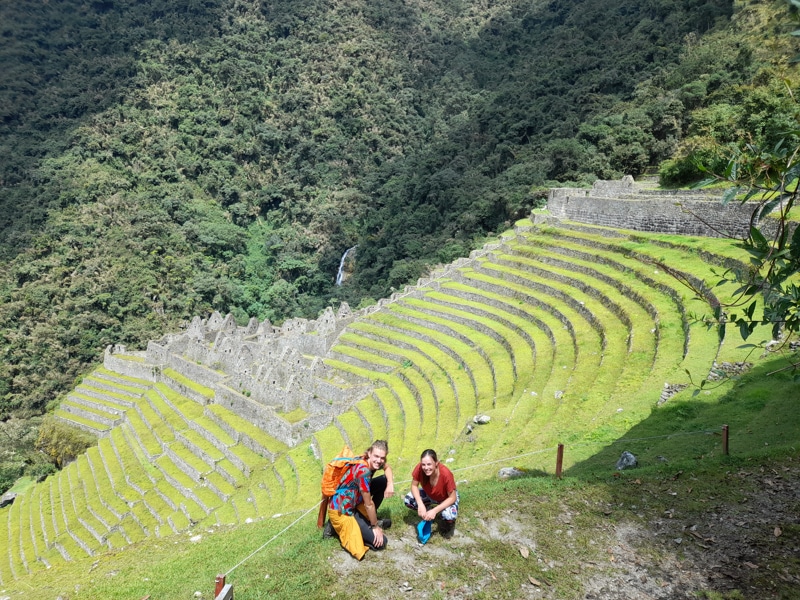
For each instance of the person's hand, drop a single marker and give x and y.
(429, 515)
(378, 541)
(389, 490)
(422, 511)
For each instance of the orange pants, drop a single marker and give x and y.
(349, 533)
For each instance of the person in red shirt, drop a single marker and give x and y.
(433, 492)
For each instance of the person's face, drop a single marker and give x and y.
(376, 458)
(428, 465)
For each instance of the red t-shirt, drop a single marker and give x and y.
(443, 487)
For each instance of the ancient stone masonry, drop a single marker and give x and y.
(262, 372)
(622, 204)
(259, 371)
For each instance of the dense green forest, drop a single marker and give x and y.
(160, 160)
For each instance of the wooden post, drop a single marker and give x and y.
(219, 583)
(725, 440)
(559, 460)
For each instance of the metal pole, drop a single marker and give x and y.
(559, 460)
(725, 440)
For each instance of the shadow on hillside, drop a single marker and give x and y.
(760, 410)
(64, 62)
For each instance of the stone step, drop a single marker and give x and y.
(92, 409)
(121, 380)
(433, 389)
(186, 387)
(468, 359)
(73, 418)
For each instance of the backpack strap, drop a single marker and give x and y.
(352, 462)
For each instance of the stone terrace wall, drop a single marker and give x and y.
(260, 371)
(619, 204)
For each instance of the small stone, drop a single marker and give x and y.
(626, 461)
(481, 419)
(510, 473)
(195, 538)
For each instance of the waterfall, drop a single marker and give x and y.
(340, 273)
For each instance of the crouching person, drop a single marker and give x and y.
(352, 512)
(433, 493)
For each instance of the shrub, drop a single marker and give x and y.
(9, 473)
(62, 443)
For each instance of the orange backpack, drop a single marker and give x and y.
(332, 476)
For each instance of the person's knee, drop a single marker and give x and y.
(376, 548)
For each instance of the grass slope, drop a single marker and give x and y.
(467, 343)
(591, 529)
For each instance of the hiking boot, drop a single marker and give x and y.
(328, 531)
(385, 523)
(447, 528)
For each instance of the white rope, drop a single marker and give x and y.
(274, 537)
(644, 439)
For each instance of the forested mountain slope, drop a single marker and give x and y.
(159, 159)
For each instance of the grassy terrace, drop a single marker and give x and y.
(442, 360)
(696, 257)
(200, 390)
(553, 342)
(561, 334)
(430, 385)
(662, 304)
(625, 360)
(471, 356)
(398, 404)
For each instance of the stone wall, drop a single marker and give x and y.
(620, 205)
(259, 371)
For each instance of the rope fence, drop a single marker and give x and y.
(224, 591)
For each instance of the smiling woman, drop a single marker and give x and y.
(433, 493)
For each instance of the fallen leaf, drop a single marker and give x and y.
(638, 482)
(524, 551)
(535, 581)
(778, 532)
(751, 565)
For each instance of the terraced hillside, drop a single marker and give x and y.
(559, 332)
